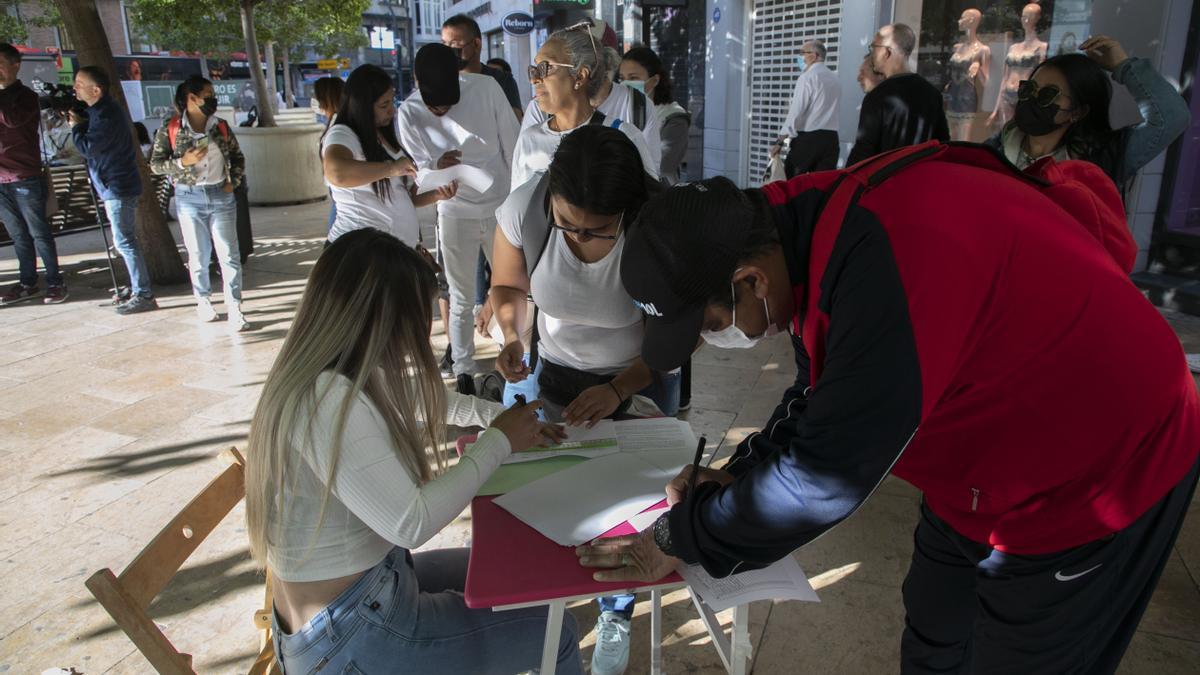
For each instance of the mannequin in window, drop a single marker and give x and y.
(969, 67)
(1022, 58)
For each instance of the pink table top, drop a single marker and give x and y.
(512, 563)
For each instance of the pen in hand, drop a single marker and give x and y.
(696, 464)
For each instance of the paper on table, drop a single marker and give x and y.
(645, 519)
(661, 433)
(598, 441)
(578, 504)
(473, 177)
(782, 581)
(509, 477)
(609, 437)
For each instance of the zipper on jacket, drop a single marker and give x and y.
(974, 499)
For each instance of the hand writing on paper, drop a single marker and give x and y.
(631, 558)
(591, 406)
(524, 430)
(677, 488)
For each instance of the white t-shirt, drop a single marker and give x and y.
(376, 504)
(360, 207)
(481, 125)
(536, 146)
(814, 105)
(586, 319)
(618, 104)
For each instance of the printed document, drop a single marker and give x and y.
(782, 581)
(471, 176)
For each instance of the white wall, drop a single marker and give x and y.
(726, 56)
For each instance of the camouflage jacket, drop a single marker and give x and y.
(165, 159)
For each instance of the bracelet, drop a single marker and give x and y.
(614, 388)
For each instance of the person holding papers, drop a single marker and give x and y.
(560, 240)
(345, 474)
(365, 167)
(459, 117)
(1055, 435)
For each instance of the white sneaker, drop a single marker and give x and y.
(237, 321)
(205, 311)
(611, 655)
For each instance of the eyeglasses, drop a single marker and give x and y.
(873, 46)
(1028, 90)
(588, 235)
(542, 70)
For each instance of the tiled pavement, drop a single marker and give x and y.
(109, 424)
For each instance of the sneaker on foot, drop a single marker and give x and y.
(447, 363)
(204, 310)
(237, 320)
(18, 293)
(136, 305)
(55, 294)
(465, 384)
(611, 655)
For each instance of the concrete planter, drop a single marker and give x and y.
(282, 163)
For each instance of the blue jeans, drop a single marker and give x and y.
(122, 214)
(407, 614)
(664, 393)
(208, 218)
(483, 279)
(23, 210)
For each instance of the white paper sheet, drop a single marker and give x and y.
(598, 441)
(471, 176)
(782, 581)
(643, 520)
(578, 504)
(609, 437)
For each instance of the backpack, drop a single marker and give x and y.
(639, 109)
(536, 230)
(176, 123)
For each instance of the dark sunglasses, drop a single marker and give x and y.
(588, 235)
(542, 70)
(1028, 90)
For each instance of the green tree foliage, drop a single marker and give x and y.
(12, 29)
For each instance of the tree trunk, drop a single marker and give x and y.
(289, 96)
(272, 87)
(266, 118)
(82, 21)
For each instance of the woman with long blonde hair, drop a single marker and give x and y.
(345, 475)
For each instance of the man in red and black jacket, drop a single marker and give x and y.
(968, 328)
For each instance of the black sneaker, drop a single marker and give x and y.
(447, 363)
(55, 295)
(465, 384)
(136, 305)
(122, 295)
(18, 293)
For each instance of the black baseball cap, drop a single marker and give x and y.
(436, 69)
(681, 253)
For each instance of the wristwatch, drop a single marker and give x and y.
(662, 535)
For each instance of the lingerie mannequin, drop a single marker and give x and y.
(1022, 58)
(969, 67)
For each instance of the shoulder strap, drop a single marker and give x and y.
(535, 235)
(597, 118)
(173, 126)
(639, 110)
(223, 127)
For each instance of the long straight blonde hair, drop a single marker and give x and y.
(365, 314)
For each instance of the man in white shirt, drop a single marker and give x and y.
(812, 118)
(456, 118)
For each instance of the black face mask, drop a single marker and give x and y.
(1036, 120)
(210, 106)
(458, 52)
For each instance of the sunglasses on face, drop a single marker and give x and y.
(588, 235)
(1028, 90)
(542, 70)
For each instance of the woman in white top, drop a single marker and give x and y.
(588, 329)
(568, 70)
(365, 166)
(345, 475)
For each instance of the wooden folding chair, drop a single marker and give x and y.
(126, 597)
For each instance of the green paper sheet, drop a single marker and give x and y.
(509, 477)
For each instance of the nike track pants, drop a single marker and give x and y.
(972, 609)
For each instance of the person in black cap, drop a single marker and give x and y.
(1053, 431)
(459, 117)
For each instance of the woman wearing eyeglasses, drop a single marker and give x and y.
(1062, 112)
(588, 330)
(568, 73)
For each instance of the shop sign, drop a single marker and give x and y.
(518, 23)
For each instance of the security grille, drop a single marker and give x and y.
(780, 27)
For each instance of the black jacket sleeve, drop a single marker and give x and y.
(758, 445)
(870, 129)
(819, 461)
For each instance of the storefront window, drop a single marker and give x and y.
(977, 51)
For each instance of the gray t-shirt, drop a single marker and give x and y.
(586, 320)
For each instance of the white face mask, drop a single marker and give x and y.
(732, 337)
